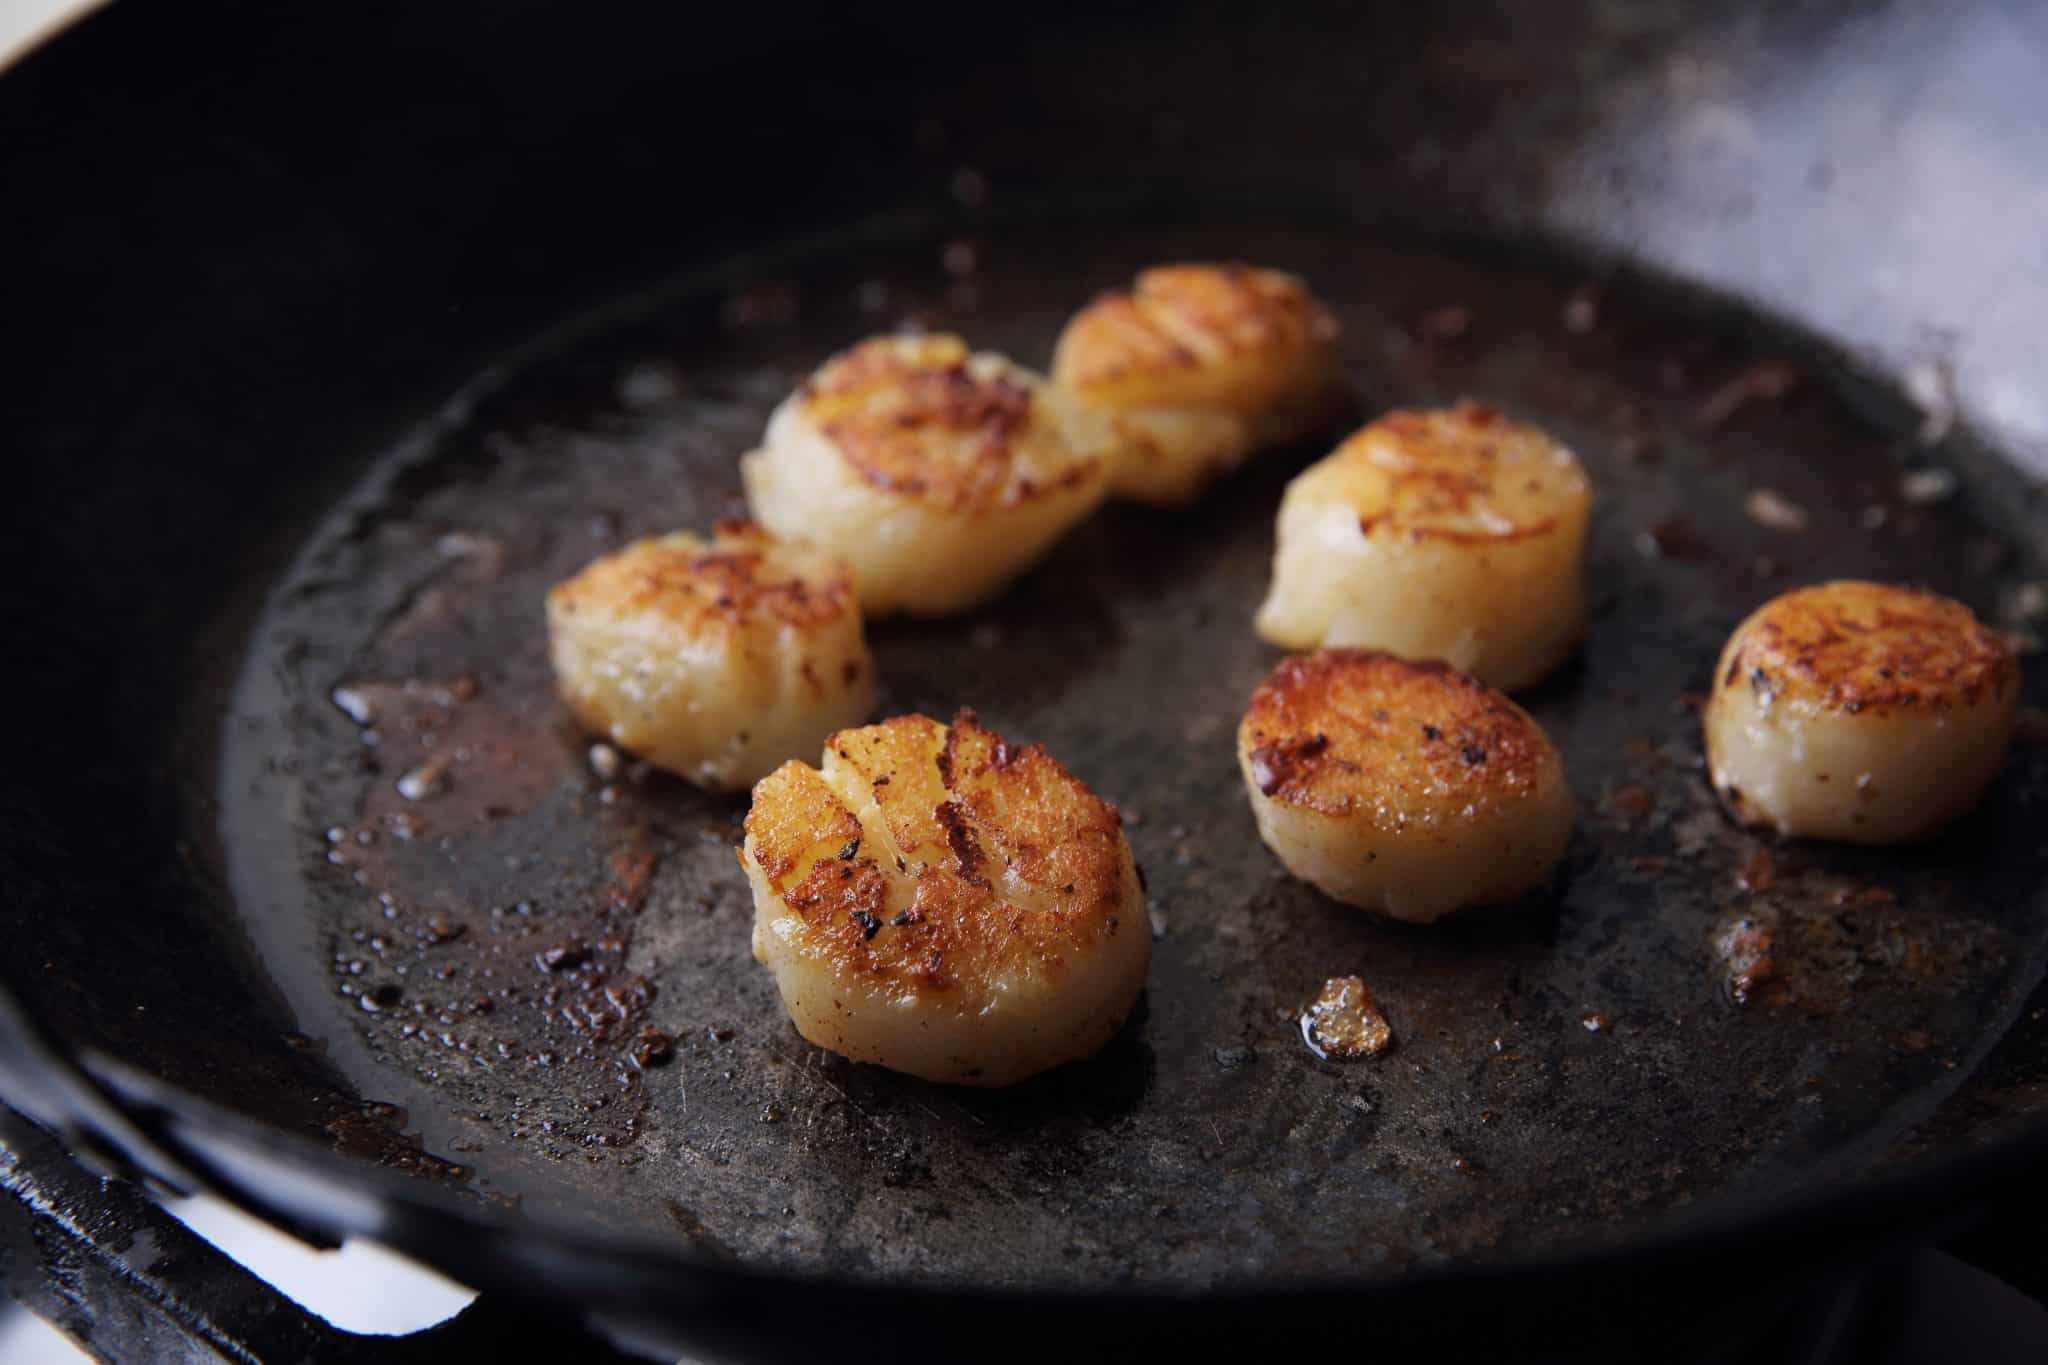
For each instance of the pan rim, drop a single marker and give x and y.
(174, 1142)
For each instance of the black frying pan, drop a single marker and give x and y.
(347, 339)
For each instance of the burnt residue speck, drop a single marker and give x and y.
(382, 997)
(1345, 1022)
(652, 1047)
(562, 957)
(1673, 538)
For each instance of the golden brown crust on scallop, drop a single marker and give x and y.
(922, 417)
(804, 821)
(1185, 317)
(742, 575)
(1853, 647)
(1344, 730)
(1013, 860)
(1443, 474)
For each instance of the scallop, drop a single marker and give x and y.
(1402, 787)
(937, 901)
(940, 475)
(1860, 712)
(1197, 368)
(714, 660)
(1449, 534)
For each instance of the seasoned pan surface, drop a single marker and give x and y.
(544, 959)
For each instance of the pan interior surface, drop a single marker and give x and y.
(545, 963)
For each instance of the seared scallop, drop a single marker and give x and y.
(939, 902)
(1197, 368)
(716, 661)
(1401, 787)
(939, 475)
(1860, 712)
(1450, 534)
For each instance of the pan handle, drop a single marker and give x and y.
(39, 1080)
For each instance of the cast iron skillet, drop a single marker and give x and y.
(348, 338)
